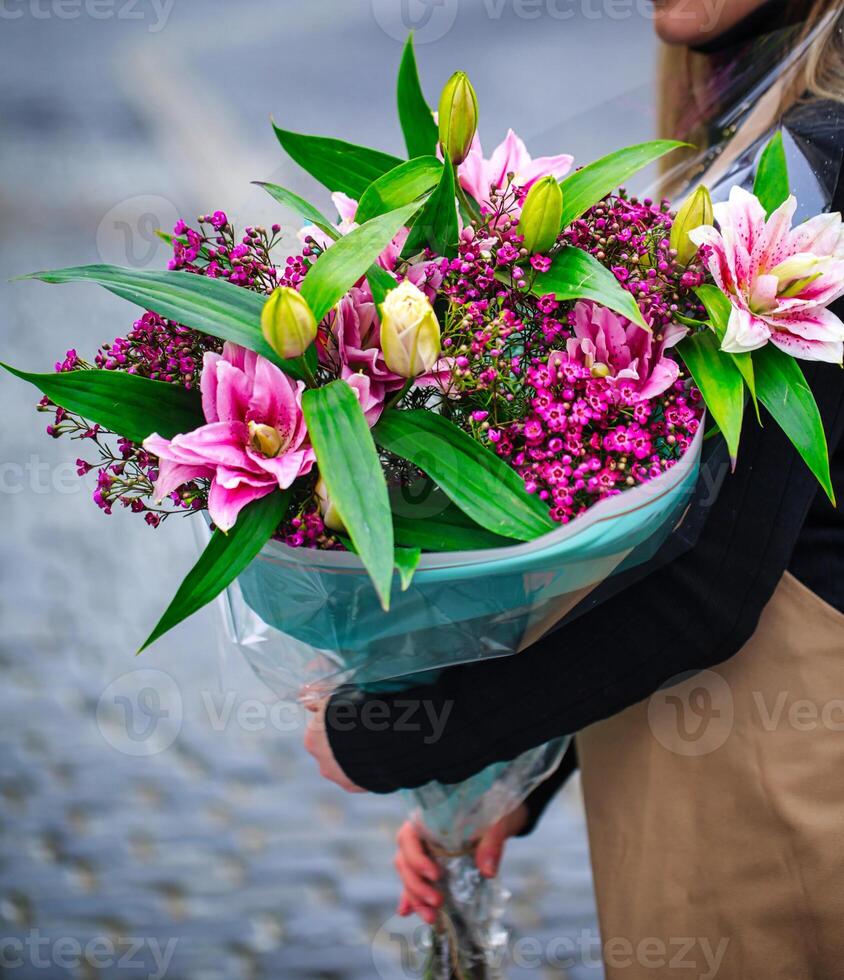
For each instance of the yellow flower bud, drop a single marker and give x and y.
(542, 215)
(287, 323)
(330, 517)
(458, 117)
(410, 332)
(695, 212)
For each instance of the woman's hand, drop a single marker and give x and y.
(419, 872)
(316, 742)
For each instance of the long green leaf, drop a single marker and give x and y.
(475, 479)
(340, 267)
(123, 403)
(439, 534)
(338, 165)
(784, 391)
(349, 464)
(436, 225)
(213, 306)
(224, 558)
(718, 308)
(417, 120)
(575, 274)
(408, 182)
(301, 207)
(720, 382)
(593, 182)
(771, 183)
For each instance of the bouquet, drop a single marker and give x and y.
(424, 431)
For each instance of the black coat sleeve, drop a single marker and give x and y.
(692, 613)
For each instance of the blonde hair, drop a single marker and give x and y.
(812, 66)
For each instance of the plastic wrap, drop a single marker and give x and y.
(309, 621)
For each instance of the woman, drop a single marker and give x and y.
(714, 805)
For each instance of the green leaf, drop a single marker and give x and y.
(407, 182)
(407, 560)
(783, 390)
(771, 183)
(574, 274)
(338, 165)
(380, 283)
(212, 306)
(436, 225)
(300, 206)
(480, 484)
(340, 267)
(593, 182)
(718, 308)
(720, 382)
(224, 558)
(417, 120)
(442, 533)
(349, 465)
(132, 407)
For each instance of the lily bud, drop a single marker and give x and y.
(410, 332)
(330, 517)
(695, 212)
(458, 117)
(542, 215)
(287, 323)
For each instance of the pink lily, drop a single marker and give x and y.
(780, 280)
(254, 440)
(478, 176)
(613, 346)
(346, 208)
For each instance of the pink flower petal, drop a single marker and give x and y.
(809, 350)
(745, 332)
(171, 476)
(225, 504)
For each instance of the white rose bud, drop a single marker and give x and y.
(410, 333)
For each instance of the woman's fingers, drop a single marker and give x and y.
(420, 892)
(490, 849)
(417, 857)
(491, 845)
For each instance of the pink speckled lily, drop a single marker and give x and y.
(780, 280)
(254, 440)
(613, 346)
(478, 175)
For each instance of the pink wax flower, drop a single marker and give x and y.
(612, 346)
(477, 175)
(254, 442)
(779, 279)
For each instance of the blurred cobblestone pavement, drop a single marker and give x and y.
(159, 812)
